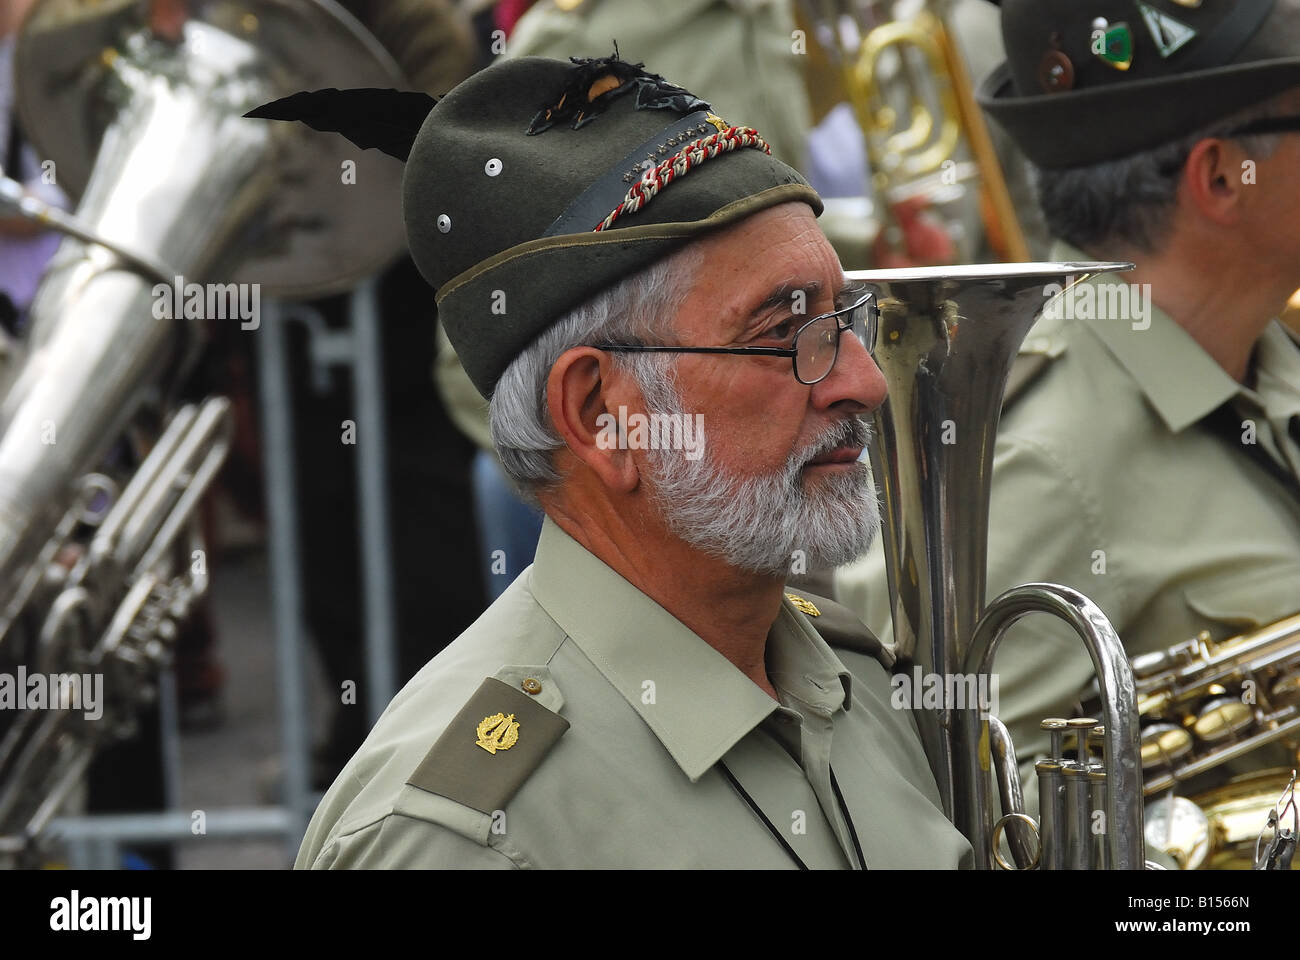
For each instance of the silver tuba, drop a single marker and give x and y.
(946, 340)
(100, 473)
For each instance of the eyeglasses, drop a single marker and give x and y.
(816, 344)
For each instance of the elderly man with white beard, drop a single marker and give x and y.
(647, 693)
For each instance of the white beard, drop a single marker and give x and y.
(759, 524)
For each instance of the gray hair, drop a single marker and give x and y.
(1128, 201)
(638, 309)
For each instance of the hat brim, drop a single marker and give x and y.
(1080, 128)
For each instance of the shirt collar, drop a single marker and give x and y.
(1277, 371)
(800, 664)
(1182, 382)
(694, 700)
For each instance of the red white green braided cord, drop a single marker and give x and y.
(690, 156)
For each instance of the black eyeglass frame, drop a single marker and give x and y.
(843, 322)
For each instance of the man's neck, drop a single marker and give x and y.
(730, 610)
(1215, 300)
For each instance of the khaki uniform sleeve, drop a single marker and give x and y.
(396, 842)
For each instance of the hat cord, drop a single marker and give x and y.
(692, 155)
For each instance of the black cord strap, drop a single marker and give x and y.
(844, 807)
(771, 827)
(762, 816)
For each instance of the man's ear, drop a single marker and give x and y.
(583, 395)
(1215, 179)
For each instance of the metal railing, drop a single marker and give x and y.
(95, 841)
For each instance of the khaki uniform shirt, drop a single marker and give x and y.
(1107, 479)
(635, 779)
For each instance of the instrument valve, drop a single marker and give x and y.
(1056, 727)
(1081, 726)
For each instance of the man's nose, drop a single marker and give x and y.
(854, 379)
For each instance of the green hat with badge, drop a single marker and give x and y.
(1088, 81)
(536, 184)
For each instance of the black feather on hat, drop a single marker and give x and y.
(387, 120)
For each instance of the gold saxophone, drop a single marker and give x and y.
(1204, 704)
(923, 131)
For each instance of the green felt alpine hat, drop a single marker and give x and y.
(536, 184)
(1088, 81)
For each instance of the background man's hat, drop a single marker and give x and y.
(536, 184)
(1093, 80)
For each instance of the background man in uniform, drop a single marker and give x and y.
(1149, 459)
(652, 696)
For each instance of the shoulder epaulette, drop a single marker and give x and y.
(840, 627)
(492, 746)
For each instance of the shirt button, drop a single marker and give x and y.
(532, 686)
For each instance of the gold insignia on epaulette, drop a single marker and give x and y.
(497, 732)
(717, 121)
(806, 607)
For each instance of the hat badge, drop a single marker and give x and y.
(594, 82)
(1170, 35)
(1112, 44)
(497, 732)
(1056, 70)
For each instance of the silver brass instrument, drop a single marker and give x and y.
(946, 340)
(99, 476)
